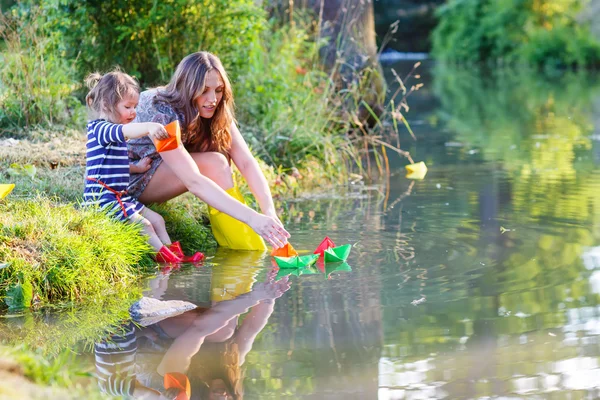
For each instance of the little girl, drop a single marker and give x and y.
(112, 100)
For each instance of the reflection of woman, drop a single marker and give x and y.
(205, 344)
(199, 96)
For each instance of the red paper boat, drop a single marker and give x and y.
(325, 244)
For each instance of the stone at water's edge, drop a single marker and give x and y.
(149, 311)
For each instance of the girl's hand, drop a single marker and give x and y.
(270, 229)
(141, 166)
(157, 131)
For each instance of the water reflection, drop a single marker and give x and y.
(482, 280)
(200, 347)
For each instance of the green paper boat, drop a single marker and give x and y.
(336, 267)
(337, 254)
(296, 261)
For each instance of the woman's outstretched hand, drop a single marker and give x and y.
(270, 290)
(270, 229)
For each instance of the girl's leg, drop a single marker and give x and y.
(153, 238)
(164, 185)
(158, 223)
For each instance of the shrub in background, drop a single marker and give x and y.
(543, 33)
(36, 81)
(148, 38)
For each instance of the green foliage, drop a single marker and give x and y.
(36, 81)
(149, 38)
(22, 170)
(56, 328)
(62, 376)
(59, 253)
(543, 33)
(283, 105)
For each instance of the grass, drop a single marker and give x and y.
(28, 374)
(58, 253)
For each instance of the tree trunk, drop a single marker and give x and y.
(351, 50)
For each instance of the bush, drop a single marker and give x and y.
(36, 81)
(542, 33)
(284, 102)
(148, 38)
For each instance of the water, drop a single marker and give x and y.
(482, 280)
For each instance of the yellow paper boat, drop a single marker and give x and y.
(416, 171)
(5, 189)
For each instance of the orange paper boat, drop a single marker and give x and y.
(178, 381)
(285, 251)
(174, 139)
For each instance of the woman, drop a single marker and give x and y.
(199, 96)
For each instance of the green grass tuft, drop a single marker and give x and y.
(55, 252)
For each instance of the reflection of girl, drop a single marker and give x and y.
(205, 344)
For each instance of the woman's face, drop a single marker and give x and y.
(208, 101)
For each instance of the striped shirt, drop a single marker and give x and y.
(115, 362)
(108, 162)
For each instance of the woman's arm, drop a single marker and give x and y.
(185, 346)
(186, 169)
(258, 316)
(250, 170)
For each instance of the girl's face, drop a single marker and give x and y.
(125, 110)
(208, 101)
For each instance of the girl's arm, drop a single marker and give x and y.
(136, 130)
(248, 166)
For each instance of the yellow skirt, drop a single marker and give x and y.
(231, 233)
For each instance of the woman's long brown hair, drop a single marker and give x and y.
(186, 85)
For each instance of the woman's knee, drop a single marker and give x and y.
(215, 166)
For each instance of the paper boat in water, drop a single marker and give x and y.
(416, 171)
(285, 251)
(337, 254)
(296, 261)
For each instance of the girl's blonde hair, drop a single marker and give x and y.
(186, 85)
(106, 91)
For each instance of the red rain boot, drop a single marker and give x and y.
(165, 255)
(175, 247)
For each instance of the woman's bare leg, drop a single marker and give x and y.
(165, 185)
